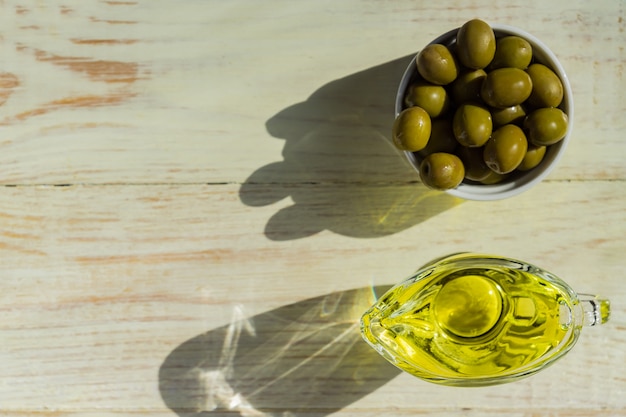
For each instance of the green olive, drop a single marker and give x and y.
(432, 98)
(411, 129)
(437, 65)
(512, 52)
(534, 155)
(475, 167)
(476, 44)
(472, 124)
(547, 88)
(504, 116)
(467, 86)
(493, 178)
(505, 87)
(441, 138)
(442, 171)
(546, 126)
(506, 149)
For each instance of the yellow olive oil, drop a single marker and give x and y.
(470, 317)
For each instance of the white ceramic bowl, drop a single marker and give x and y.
(518, 182)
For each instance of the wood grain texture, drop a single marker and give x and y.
(198, 200)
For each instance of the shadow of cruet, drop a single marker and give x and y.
(303, 359)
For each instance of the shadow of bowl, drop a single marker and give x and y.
(339, 166)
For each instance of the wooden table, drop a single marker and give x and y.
(199, 200)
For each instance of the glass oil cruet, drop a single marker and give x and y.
(472, 320)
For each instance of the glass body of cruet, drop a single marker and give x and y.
(472, 320)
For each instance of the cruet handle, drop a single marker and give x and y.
(596, 310)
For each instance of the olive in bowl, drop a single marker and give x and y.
(509, 106)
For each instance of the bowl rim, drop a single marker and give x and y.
(529, 179)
